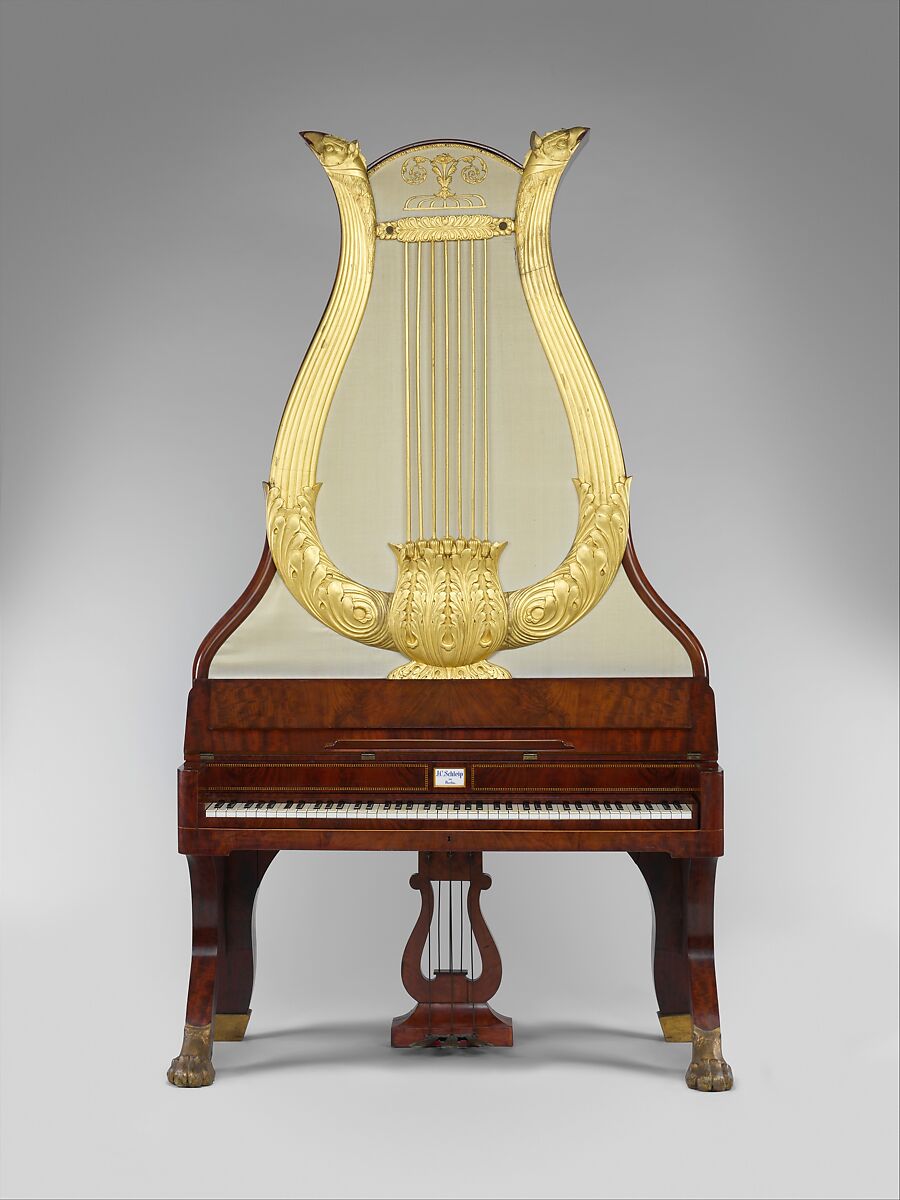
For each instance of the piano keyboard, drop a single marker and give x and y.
(463, 811)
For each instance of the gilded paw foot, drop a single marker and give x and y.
(193, 1066)
(708, 1072)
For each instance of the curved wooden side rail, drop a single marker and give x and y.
(662, 612)
(451, 1008)
(236, 615)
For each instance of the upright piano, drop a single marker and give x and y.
(447, 402)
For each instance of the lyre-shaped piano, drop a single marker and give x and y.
(386, 682)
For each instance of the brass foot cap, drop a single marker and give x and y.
(230, 1027)
(676, 1027)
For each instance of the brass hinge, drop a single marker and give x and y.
(368, 756)
(207, 757)
(693, 754)
(529, 756)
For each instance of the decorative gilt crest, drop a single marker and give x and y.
(472, 170)
(448, 613)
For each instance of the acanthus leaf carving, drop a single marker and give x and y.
(546, 608)
(348, 607)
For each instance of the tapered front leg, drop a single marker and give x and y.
(243, 870)
(193, 1066)
(708, 1072)
(666, 877)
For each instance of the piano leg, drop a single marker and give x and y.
(244, 870)
(665, 877)
(708, 1072)
(193, 1066)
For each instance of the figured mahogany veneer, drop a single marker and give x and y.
(271, 739)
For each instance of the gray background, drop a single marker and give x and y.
(727, 244)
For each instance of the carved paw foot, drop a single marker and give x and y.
(190, 1070)
(708, 1072)
(193, 1066)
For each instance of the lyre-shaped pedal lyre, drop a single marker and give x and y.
(449, 613)
(452, 1003)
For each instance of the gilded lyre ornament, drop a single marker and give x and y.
(449, 613)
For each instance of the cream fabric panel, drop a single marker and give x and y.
(362, 504)
(280, 640)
